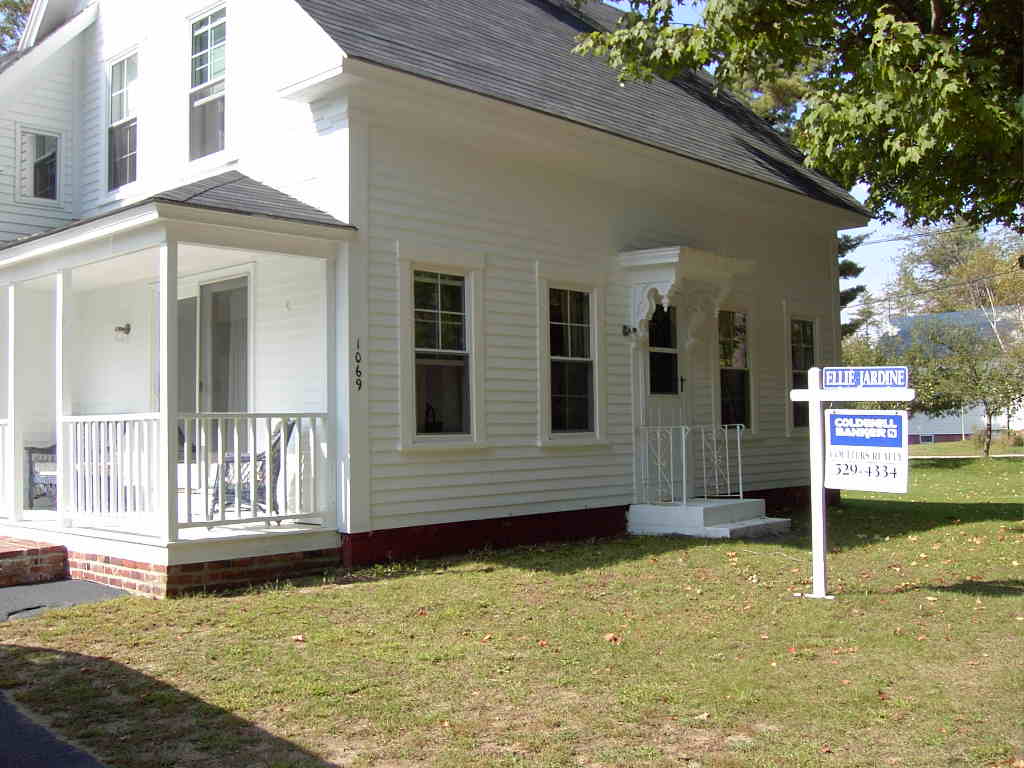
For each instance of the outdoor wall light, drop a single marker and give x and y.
(122, 331)
(628, 331)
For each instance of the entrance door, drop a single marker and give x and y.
(665, 402)
(213, 354)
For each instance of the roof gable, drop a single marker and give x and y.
(520, 51)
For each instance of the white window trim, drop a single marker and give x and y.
(471, 266)
(747, 308)
(222, 156)
(125, 190)
(788, 315)
(546, 280)
(20, 129)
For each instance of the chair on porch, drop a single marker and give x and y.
(238, 490)
(41, 472)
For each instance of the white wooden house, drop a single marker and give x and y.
(296, 281)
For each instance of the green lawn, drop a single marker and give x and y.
(963, 448)
(631, 652)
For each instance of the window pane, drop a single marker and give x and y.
(664, 373)
(44, 166)
(200, 42)
(218, 34)
(425, 291)
(453, 334)
(427, 331)
(217, 63)
(117, 76)
(579, 307)
(732, 339)
(559, 340)
(206, 130)
(735, 396)
(122, 146)
(117, 110)
(442, 394)
(559, 306)
(579, 337)
(131, 68)
(571, 396)
(452, 294)
(662, 328)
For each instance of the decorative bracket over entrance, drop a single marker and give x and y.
(693, 281)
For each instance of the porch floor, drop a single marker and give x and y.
(30, 562)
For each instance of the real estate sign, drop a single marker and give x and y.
(866, 451)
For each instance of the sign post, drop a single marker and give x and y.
(866, 450)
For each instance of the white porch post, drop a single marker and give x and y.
(62, 381)
(333, 522)
(15, 469)
(167, 474)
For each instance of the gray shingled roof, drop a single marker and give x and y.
(234, 192)
(520, 51)
(230, 192)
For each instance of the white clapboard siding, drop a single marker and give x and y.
(46, 107)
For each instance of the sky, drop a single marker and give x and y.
(877, 258)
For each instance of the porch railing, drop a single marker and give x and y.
(108, 473)
(252, 467)
(665, 455)
(232, 469)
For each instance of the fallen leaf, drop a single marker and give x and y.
(421, 612)
(703, 716)
(845, 682)
(486, 638)
(299, 638)
(826, 750)
(612, 638)
(542, 643)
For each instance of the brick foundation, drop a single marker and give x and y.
(174, 580)
(31, 562)
(451, 538)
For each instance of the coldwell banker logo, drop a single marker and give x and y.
(882, 431)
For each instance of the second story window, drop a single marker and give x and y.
(122, 135)
(206, 97)
(44, 165)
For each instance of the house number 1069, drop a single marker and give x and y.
(358, 371)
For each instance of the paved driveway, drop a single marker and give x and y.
(33, 599)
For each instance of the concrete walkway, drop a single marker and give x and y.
(32, 599)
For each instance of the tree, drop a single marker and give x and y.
(919, 99)
(964, 269)
(848, 270)
(13, 14)
(957, 367)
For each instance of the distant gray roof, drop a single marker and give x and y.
(520, 51)
(230, 192)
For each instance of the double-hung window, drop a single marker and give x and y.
(442, 354)
(122, 134)
(206, 97)
(664, 353)
(572, 361)
(40, 165)
(734, 368)
(801, 344)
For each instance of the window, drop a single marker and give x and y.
(206, 97)
(734, 368)
(802, 356)
(572, 364)
(40, 164)
(122, 135)
(664, 355)
(442, 354)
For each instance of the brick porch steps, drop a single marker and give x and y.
(31, 562)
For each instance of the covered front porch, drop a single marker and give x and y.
(169, 373)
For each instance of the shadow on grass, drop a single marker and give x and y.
(133, 720)
(998, 588)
